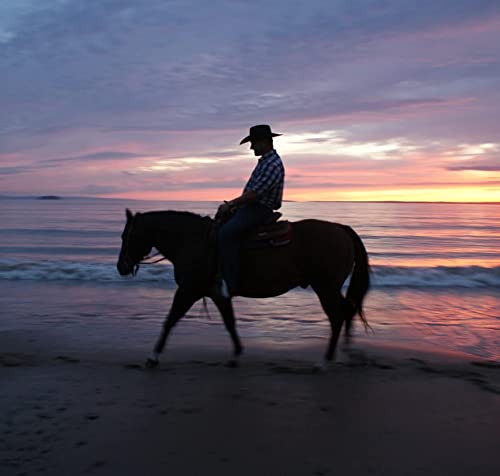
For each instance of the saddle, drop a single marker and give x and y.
(272, 234)
(269, 235)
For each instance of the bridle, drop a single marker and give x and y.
(144, 260)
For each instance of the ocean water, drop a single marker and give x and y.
(436, 276)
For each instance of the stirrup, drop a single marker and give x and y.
(224, 290)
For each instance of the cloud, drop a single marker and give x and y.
(126, 65)
(486, 165)
(14, 170)
(95, 157)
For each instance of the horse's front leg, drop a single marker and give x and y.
(183, 300)
(225, 307)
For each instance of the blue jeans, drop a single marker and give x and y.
(232, 233)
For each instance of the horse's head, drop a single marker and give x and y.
(135, 244)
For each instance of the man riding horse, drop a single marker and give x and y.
(316, 253)
(262, 194)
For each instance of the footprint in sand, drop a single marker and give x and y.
(67, 359)
(97, 465)
(299, 370)
(383, 366)
(491, 364)
(429, 370)
(15, 360)
(44, 416)
(321, 472)
(418, 361)
(190, 411)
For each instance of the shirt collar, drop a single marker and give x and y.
(267, 155)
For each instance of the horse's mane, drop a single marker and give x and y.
(174, 213)
(174, 218)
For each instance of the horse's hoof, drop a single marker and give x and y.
(232, 363)
(322, 366)
(152, 363)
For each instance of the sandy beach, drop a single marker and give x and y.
(378, 410)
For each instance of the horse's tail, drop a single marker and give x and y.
(360, 278)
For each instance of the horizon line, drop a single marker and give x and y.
(73, 197)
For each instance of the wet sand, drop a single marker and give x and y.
(378, 410)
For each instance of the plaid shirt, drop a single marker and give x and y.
(267, 180)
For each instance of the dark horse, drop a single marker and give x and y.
(321, 255)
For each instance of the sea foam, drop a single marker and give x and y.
(382, 276)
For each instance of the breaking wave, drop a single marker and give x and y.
(382, 276)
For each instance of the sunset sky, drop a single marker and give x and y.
(377, 100)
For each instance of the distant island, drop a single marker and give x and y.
(49, 197)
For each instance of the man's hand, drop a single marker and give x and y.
(224, 211)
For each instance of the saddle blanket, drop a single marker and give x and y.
(270, 235)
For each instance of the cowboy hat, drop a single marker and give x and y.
(262, 131)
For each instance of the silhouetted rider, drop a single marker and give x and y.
(262, 194)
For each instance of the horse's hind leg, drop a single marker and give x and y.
(333, 305)
(225, 307)
(349, 312)
(183, 300)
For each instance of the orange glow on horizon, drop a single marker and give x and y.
(444, 194)
(435, 262)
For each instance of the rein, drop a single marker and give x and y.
(143, 261)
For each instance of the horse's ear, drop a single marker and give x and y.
(129, 214)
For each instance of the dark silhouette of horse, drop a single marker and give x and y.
(321, 255)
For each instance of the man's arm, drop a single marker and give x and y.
(243, 199)
(228, 207)
(269, 176)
